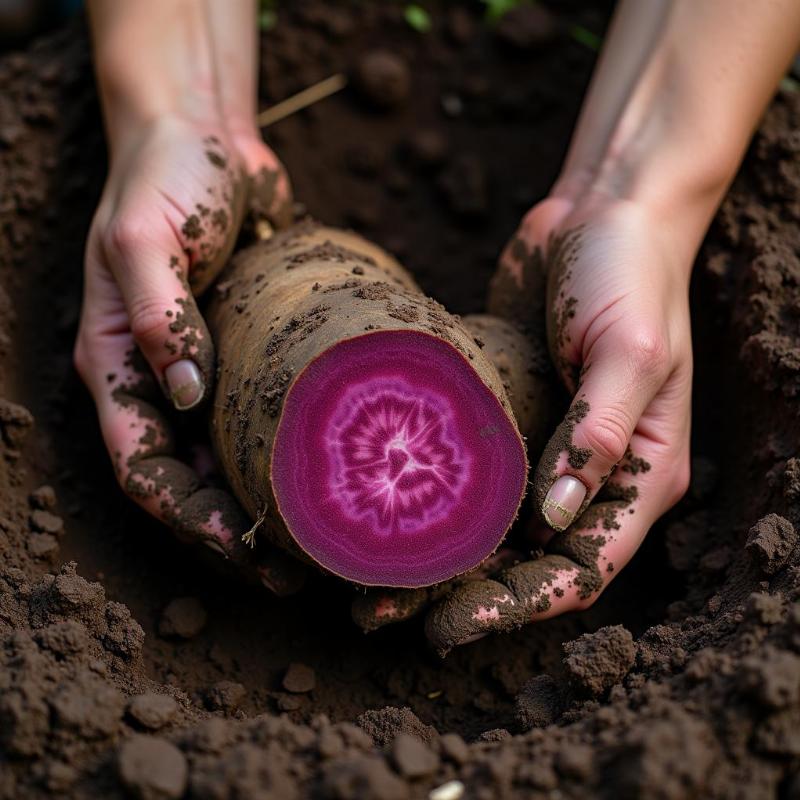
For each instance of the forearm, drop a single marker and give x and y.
(190, 58)
(235, 48)
(676, 95)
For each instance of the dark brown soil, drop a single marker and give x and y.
(682, 681)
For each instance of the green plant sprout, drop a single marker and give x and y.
(267, 14)
(585, 37)
(498, 8)
(418, 18)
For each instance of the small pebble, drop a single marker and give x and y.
(452, 790)
(11, 134)
(299, 679)
(454, 748)
(383, 79)
(152, 768)
(289, 702)
(428, 147)
(412, 757)
(452, 105)
(575, 761)
(60, 776)
(183, 617)
(152, 710)
(47, 522)
(330, 744)
(362, 777)
(44, 497)
(226, 696)
(42, 545)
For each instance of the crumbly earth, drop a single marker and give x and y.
(682, 681)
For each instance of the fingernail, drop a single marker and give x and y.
(476, 637)
(185, 384)
(562, 502)
(214, 545)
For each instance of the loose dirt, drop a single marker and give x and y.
(130, 667)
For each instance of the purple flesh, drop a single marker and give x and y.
(394, 464)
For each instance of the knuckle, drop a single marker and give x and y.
(648, 352)
(607, 435)
(80, 358)
(124, 234)
(529, 221)
(149, 321)
(679, 484)
(582, 603)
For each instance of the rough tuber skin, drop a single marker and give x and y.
(358, 421)
(522, 361)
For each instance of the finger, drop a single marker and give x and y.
(216, 518)
(504, 603)
(171, 491)
(270, 193)
(209, 230)
(150, 269)
(579, 563)
(517, 288)
(141, 444)
(379, 607)
(280, 573)
(627, 367)
(386, 606)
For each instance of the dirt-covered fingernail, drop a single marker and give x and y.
(282, 575)
(214, 545)
(476, 637)
(185, 384)
(563, 501)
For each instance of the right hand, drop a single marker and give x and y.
(618, 328)
(167, 223)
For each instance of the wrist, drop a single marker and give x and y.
(672, 151)
(153, 60)
(677, 177)
(133, 100)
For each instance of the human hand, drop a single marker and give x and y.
(619, 334)
(660, 136)
(166, 224)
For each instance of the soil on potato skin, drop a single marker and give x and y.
(682, 680)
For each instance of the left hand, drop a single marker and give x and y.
(166, 225)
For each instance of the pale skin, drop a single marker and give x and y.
(177, 84)
(676, 95)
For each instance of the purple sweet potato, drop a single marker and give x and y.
(361, 423)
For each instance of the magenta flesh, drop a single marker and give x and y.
(394, 464)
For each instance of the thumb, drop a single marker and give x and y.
(150, 269)
(626, 369)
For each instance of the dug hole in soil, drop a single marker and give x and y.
(129, 667)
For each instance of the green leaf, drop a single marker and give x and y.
(267, 20)
(585, 37)
(497, 8)
(418, 18)
(267, 14)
